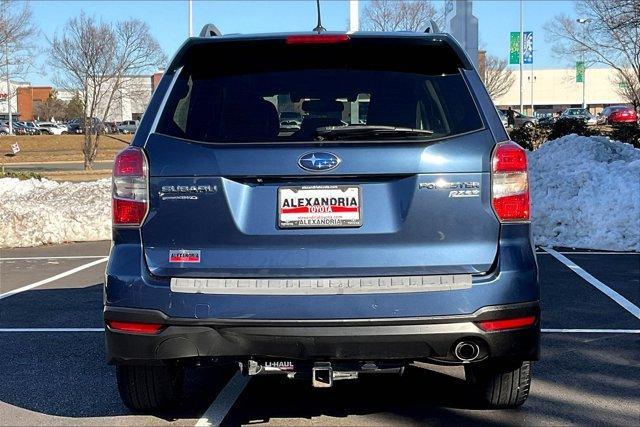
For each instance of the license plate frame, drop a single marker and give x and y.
(321, 219)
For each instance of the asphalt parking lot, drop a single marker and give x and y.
(53, 370)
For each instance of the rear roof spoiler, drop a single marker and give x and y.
(210, 30)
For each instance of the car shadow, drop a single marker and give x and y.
(577, 382)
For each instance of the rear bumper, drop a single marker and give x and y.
(426, 338)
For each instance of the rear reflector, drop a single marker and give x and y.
(510, 183)
(318, 39)
(130, 187)
(140, 328)
(500, 325)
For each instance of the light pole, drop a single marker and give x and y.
(190, 18)
(584, 22)
(521, 52)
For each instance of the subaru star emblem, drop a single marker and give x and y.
(318, 161)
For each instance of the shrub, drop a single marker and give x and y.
(566, 126)
(629, 133)
(20, 175)
(529, 137)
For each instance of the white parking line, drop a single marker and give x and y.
(622, 301)
(588, 253)
(546, 331)
(591, 331)
(52, 278)
(51, 330)
(220, 407)
(27, 258)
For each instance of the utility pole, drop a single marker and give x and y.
(584, 23)
(6, 57)
(532, 80)
(354, 16)
(521, 52)
(190, 18)
(354, 25)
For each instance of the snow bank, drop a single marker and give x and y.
(586, 193)
(34, 212)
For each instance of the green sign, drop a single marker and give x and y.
(580, 72)
(514, 48)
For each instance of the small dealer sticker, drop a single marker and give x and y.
(184, 255)
(319, 206)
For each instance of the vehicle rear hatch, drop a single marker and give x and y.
(233, 194)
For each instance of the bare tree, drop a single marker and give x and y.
(99, 60)
(399, 15)
(17, 34)
(497, 76)
(610, 35)
(52, 107)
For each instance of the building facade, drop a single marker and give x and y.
(128, 103)
(556, 89)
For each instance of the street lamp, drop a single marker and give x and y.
(583, 22)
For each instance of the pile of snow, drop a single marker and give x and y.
(34, 212)
(586, 193)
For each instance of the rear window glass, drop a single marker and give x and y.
(272, 92)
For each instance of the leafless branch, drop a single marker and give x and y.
(399, 15)
(99, 59)
(611, 36)
(498, 77)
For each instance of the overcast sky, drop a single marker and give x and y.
(168, 20)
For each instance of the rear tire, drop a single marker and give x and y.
(501, 386)
(150, 388)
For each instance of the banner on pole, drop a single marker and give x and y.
(580, 72)
(527, 48)
(514, 48)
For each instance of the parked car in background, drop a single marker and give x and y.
(4, 129)
(503, 119)
(129, 126)
(76, 126)
(622, 115)
(338, 251)
(603, 116)
(580, 114)
(521, 120)
(20, 129)
(34, 127)
(28, 127)
(52, 128)
(111, 127)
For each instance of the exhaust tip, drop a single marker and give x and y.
(467, 351)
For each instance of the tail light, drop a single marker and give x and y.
(503, 324)
(130, 199)
(136, 327)
(510, 183)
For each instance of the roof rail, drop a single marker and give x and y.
(431, 27)
(210, 30)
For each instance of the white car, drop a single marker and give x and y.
(128, 126)
(52, 128)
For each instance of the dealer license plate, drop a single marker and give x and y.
(319, 206)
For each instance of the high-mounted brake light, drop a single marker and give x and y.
(503, 324)
(318, 39)
(510, 183)
(130, 199)
(137, 327)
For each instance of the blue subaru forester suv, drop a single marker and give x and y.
(387, 224)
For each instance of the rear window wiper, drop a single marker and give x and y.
(368, 131)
